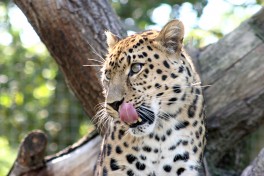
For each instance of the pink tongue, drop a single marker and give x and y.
(128, 113)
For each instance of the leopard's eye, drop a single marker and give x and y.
(107, 75)
(135, 68)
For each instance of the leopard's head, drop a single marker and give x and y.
(144, 77)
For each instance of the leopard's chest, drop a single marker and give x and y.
(154, 154)
(158, 155)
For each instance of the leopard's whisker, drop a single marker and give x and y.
(96, 60)
(95, 52)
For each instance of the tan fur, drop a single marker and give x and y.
(111, 39)
(171, 36)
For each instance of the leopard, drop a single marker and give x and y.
(154, 106)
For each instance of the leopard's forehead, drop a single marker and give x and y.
(135, 40)
(130, 44)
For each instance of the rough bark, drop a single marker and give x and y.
(233, 67)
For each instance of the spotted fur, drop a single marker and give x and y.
(167, 95)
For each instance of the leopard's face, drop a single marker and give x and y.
(143, 78)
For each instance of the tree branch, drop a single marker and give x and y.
(31, 154)
(234, 69)
(78, 159)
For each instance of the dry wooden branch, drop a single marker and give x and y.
(31, 154)
(78, 159)
(233, 67)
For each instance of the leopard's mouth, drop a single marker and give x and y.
(139, 122)
(146, 115)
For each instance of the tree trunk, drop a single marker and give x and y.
(234, 69)
(73, 32)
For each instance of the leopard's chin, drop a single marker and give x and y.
(142, 130)
(140, 122)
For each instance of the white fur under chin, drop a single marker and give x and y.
(142, 130)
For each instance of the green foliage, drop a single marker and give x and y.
(140, 11)
(260, 2)
(137, 15)
(7, 155)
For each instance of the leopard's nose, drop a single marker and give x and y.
(115, 105)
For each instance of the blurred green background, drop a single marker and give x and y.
(33, 94)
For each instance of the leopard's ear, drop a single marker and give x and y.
(111, 39)
(171, 36)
